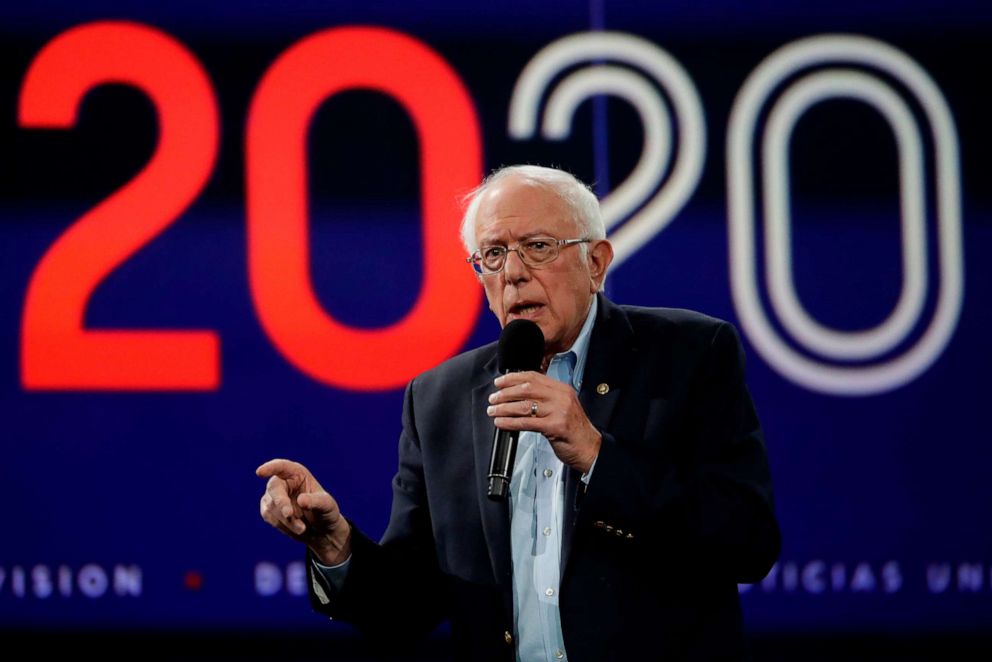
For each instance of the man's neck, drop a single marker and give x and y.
(570, 344)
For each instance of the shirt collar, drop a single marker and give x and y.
(580, 348)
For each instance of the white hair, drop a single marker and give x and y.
(580, 200)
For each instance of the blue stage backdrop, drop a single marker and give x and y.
(229, 233)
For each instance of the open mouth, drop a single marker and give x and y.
(525, 308)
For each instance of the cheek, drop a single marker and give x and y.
(563, 310)
(495, 298)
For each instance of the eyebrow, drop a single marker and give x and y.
(523, 237)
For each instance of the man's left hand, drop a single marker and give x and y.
(558, 415)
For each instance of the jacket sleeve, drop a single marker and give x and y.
(392, 592)
(711, 507)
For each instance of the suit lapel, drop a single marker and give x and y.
(607, 363)
(495, 514)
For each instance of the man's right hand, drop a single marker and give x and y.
(296, 504)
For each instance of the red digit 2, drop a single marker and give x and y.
(57, 351)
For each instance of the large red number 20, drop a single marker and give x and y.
(57, 352)
(450, 156)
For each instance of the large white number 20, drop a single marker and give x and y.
(650, 208)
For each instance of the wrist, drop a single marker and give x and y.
(590, 457)
(335, 548)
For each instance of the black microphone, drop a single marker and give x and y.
(521, 347)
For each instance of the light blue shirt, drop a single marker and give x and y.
(536, 515)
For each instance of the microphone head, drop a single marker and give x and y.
(521, 347)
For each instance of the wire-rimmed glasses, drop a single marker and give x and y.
(533, 251)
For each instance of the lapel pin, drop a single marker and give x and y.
(603, 389)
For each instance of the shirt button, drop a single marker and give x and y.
(549, 592)
(547, 530)
(548, 473)
(560, 654)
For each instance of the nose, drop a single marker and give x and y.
(514, 269)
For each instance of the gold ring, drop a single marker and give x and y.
(533, 407)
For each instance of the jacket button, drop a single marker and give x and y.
(507, 637)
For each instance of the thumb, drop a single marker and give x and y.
(320, 503)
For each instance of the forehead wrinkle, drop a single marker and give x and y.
(522, 237)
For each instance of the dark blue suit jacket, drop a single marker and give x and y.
(677, 512)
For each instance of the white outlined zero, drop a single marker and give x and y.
(829, 83)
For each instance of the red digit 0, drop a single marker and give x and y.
(444, 117)
(57, 352)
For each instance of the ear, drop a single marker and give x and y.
(600, 257)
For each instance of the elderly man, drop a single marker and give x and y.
(640, 496)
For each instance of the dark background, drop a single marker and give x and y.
(887, 492)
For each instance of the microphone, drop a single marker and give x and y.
(521, 347)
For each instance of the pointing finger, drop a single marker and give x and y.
(285, 469)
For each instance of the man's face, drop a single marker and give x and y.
(556, 296)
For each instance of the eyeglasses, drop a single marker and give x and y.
(534, 252)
